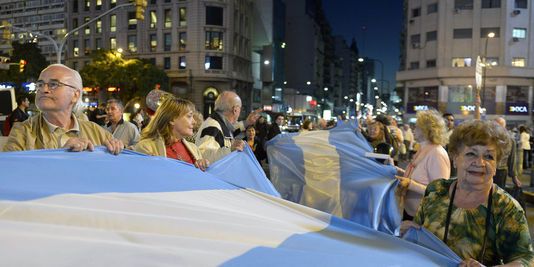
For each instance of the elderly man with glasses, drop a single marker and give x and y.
(59, 92)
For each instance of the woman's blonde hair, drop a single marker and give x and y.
(432, 126)
(170, 109)
(479, 132)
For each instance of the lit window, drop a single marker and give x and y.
(132, 21)
(182, 40)
(75, 48)
(98, 4)
(182, 17)
(153, 42)
(113, 23)
(112, 43)
(132, 43)
(99, 26)
(518, 62)
(87, 28)
(214, 40)
(182, 64)
(519, 33)
(213, 62)
(98, 43)
(153, 19)
(167, 21)
(459, 62)
(87, 5)
(492, 61)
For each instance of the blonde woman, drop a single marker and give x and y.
(431, 162)
(165, 134)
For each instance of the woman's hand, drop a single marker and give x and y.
(202, 164)
(470, 263)
(404, 183)
(405, 225)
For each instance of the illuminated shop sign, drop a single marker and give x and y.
(420, 107)
(517, 108)
(471, 108)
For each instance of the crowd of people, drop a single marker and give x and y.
(453, 185)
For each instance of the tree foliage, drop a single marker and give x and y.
(35, 63)
(134, 77)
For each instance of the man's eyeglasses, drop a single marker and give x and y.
(52, 85)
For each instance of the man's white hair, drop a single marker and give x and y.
(226, 101)
(76, 81)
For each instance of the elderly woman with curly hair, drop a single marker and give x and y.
(431, 162)
(478, 220)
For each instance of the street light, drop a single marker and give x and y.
(483, 65)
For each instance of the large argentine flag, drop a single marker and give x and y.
(60, 208)
(327, 170)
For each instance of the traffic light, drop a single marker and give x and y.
(22, 64)
(140, 6)
(6, 33)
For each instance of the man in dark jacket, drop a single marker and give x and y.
(274, 129)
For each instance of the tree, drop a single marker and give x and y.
(134, 77)
(36, 62)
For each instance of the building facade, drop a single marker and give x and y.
(442, 42)
(204, 46)
(41, 16)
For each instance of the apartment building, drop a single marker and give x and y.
(203, 45)
(442, 42)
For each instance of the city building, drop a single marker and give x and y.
(38, 16)
(305, 50)
(268, 46)
(348, 77)
(442, 41)
(204, 46)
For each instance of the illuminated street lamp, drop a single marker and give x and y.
(480, 75)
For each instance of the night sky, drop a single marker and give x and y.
(383, 22)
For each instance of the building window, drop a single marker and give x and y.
(153, 19)
(214, 15)
(132, 43)
(492, 61)
(75, 48)
(213, 63)
(521, 4)
(519, 33)
(113, 23)
(132, 21)
(167, 42)
(75, 25)
(153, 42)
(416, 12)
(459, 62)
(463, 4)
(87, 30)
(182, 64)
(98, 26)
(491, 3)
(87, 47)
(485, 31)
(431, 36)
(75, 6)
(463, 33)
(518, 62)
(112, 3)
(152, 2)
(414, 65)
(420, 98)
(432, 8)
(182, 17)
(166, 63)
(167, 18)
(87, 5)
(98, 5)
(98, 43)
(182, 41)
(214, 40)
(112, 43)
(431, 63)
